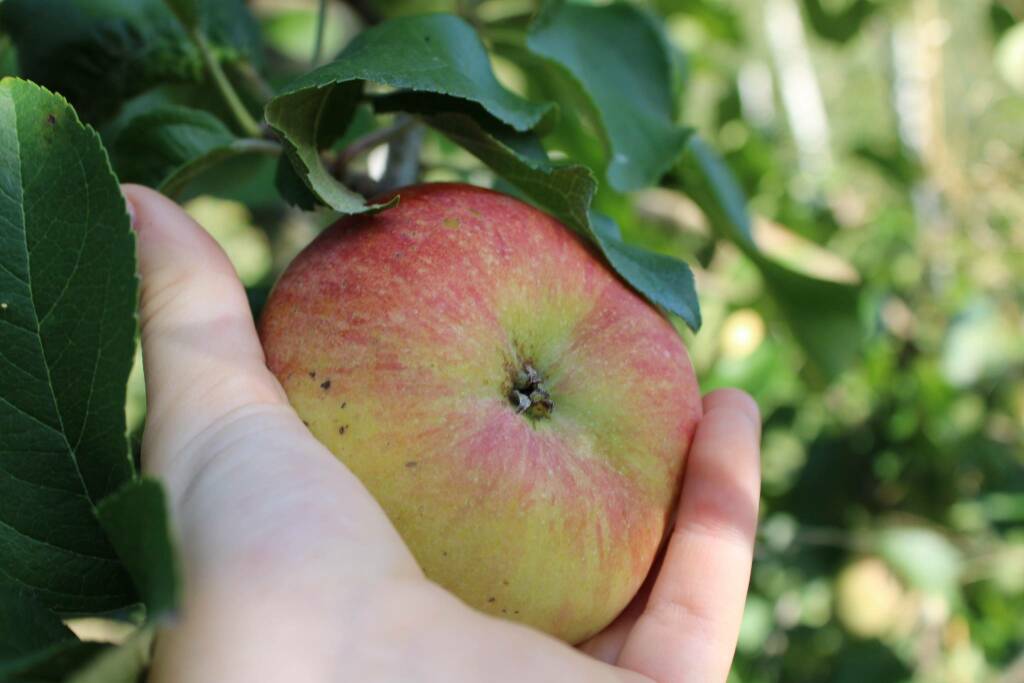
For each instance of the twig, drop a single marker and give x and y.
(360, 183)
(403, 165)
(371, 140)
(257, 146)
(321, 21)
(245, 120)
(254, 82)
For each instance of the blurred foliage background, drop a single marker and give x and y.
(881, 144)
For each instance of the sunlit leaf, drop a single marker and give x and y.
(434, 55)
(822, 314)
(622, 60)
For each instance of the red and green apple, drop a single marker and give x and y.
(520, 413)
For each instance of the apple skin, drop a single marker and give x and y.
(399, 338)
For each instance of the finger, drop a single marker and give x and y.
(689, 627)
(199, 342)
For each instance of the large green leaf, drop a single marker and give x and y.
(433, 55)
(621, 59)
(67, 329)
(567, 192)
(822, 314)
(98, 53)
(169, 145)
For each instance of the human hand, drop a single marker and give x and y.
(294, 573)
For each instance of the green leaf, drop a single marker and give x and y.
(156, 145)
(168, 146)
(291, 187)
(567, 192)
(8, 57)
(67, 330)
(53, 664)
(298, 122)
(136, 521)
(29, 633)
(100, 53)
(433, 55)
(436, 53)
(664, 280)
(822, 314)
(621, 59)
(287, 181)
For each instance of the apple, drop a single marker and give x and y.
(520, 413)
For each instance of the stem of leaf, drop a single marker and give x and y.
(257, 146)
(371, 140)
(321, 21)
(253, 81)
(403, 165)
(245, 120)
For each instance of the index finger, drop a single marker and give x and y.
(688, 629)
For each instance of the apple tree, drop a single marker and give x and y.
(571, 106)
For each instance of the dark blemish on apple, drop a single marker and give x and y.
(312, 374)
(343, 404)
(504, 611)
(51, 119)
(504, 582)
(411, 464)
(326, 384)
(444, 553)
(342, 429)
(515, 611)
(490, 599)
(305, 423)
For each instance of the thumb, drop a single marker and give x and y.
(202, 358)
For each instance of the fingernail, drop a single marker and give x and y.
(753, 413)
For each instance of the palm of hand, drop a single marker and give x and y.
(292, 570)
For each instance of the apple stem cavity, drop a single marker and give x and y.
(528, 395)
